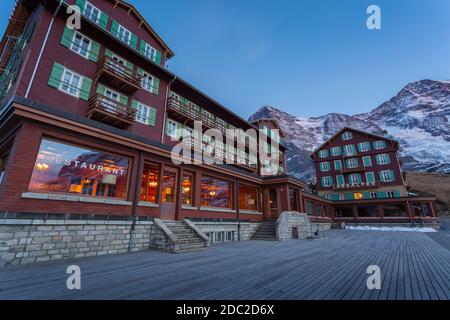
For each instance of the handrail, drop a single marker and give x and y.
(119, 69)
(109, 105)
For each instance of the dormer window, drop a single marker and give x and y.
(323, 154)
(347, 136)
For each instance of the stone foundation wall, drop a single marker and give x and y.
(288, 221)
(24, 242)
(247, 229)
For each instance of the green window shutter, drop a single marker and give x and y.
(85, 90)
(95, 49)
(158, 57)
(142, 47)
(323, 181)
(140, 71)
(397, 193)
(381, 195)
(366, 195)
(340, 180)
(133, 41)
(103, 21)
(377, 157)
(155, 86)
(123, 100)
(388, 159)
(108, 53)
(115, 28)
(67, 37)
(370, 177)
(134, 104)
(349, 196)
(101, 89)
(152, 118)
(367, 161)
(81, 4)
(338, 165)
(392, 175)
(56, 75)
(359, 177)
(335, 197)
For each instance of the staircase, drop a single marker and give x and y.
(185, 237)
(266, 231)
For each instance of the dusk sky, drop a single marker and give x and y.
(307, 58)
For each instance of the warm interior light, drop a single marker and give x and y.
(42, 166)
(358, 196)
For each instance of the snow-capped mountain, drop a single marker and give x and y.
(418, 117)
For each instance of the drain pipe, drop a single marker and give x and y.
(38, 62)
(165, 108)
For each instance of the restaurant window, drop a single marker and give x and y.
(187, 186)
(150, 182)
(2, 168)
(370, 211)
(65, 168)
(344, 212)
(215, 193)
(309, 208)
(273, 199)
(293, 198)
(395, 210)
(248, 198)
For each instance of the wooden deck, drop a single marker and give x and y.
(413, 267)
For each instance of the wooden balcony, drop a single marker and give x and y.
(109, 111)
(187, 114)
(117, 75)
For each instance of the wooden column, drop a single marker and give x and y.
(410, 213)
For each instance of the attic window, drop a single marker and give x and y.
(347, 136)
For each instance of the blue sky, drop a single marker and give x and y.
(307, 57)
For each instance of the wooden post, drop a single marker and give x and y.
(410, 213)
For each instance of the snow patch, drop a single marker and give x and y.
(391, 229)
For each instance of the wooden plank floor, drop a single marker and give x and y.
(413, 267)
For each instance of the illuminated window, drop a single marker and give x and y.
(358, 195)
(187, 187)
(216, 193)
(150, 182)
(168, 187)
(69, 169)
(248, 198)
(273, 199)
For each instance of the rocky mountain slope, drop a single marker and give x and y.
(418, 117)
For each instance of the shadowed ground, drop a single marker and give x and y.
(413, 266)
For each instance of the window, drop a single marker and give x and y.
(340, 180)
(273, 199)
(355, 178)
(327, 182)
(358, 195)
(2, 168)
(219, 237)
(230, 236)
(187, 188)
(92, 12)
(147, 82)
(216, 193)
(168, 187)
(145, 114)
(395, 210)
(323, 154)
(341, 196)
(350, 150)
(150, 183)
(370, 211)
(383, 159)
(81, 45)
(364, 147)
(69, 169)
(325, 166)
(172, 129)
(370, 178)
(336, 151)
(390, 194)
(347, 136)
(338, 165)
(373, 195)
(293, 198)
(378, 145)
(70, 83)
(309, 208)
(367, 160)
(149, 51)
(124, 34)
(352, 163)
(248, 198)
(387, 176)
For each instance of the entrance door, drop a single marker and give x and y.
(169, 194)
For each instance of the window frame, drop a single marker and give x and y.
(121, 27)
(94, 8)
(62, 82)
(88, 50)
(139, 107)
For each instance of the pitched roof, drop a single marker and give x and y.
(132, 9)
(354, 130)
(274, 121)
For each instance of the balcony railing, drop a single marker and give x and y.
(107, 110)
(192, 114)
(118, 75)
(356, 186)
(353, 170)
